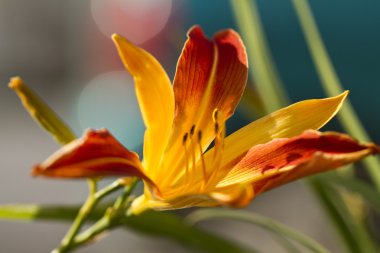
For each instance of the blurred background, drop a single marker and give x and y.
(63, 50)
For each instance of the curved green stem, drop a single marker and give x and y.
(99, 227)
(122, 199)
(83, 213)
(262, 221)
(112, 218)
(92, 200)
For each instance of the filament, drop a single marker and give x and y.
(202, 161)
(220, 131)
(186, 176)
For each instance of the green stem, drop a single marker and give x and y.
(83, 213)
(101, 226)
(331, 83)
(122, 199)
(112, 218)
(91, 201)
(116, 185)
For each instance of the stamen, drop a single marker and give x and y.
(192, 130)
(216, 128)
(202, 160)
(193, 157)
(219, 129)
(185, 138)
(199, 136)
(193, 145)
(216, 119)
(186, 177)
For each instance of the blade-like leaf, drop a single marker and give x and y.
(353, 231)
(264, 72)
(355, 185)
(331, 83)
(150, 223)
(259, 220)
(287, 244)
(333, 207)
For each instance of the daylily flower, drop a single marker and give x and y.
(182, 122)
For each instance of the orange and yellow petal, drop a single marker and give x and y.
(155, 96)
(280, 161)
(284, 123)
(96, 154)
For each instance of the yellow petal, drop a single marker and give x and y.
(284, 123)
(139, 205)
(145, 202)
(239, 195)
(155, 97)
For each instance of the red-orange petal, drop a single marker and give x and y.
(281, 161)
(194, 70)
(210, 74)
(96, 154)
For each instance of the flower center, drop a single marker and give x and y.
(194, 155)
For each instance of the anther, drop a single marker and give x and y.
(185, 138)
(199, 136)
(216, 128)
(192, 130)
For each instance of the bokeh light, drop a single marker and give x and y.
(109, 101)
(137, 20)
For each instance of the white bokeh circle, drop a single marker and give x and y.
(109, 101)
(138, 20)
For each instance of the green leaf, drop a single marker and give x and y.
(150, 223)
(173, 227)
(331, 83)
(355, 185)
(353, 231)
(259, 220)
(286, 244)
(335, 209)
(264, 72)
(41, 112)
